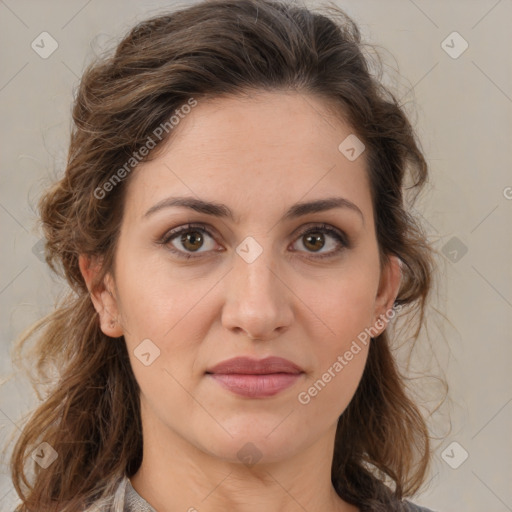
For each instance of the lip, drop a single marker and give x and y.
(256, 378)
(250, 366)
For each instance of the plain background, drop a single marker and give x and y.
(462, 110)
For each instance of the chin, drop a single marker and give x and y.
(251, 444)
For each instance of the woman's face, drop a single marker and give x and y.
(186, 303)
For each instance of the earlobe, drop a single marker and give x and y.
(103, 299)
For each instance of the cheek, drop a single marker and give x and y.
(344, 309)
(327, 393)
(157, 300)
(173, 314)
(340, 305)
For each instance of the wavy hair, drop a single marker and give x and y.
(90, 414)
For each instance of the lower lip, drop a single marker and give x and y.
(256, 386)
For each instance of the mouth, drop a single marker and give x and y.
(256, 378)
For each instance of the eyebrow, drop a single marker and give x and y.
(223, 211)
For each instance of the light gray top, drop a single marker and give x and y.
(133, 502)
(136, 503)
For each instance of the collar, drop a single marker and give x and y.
(133, 501)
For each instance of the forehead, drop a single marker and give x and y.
(261, 150)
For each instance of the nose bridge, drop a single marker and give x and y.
(255, 274)
(258, 302)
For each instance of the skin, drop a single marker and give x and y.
(258, 155)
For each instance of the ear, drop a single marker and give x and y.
(389, 285)
(102, 296)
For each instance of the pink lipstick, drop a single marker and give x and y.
(256, 378)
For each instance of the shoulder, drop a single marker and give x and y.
(411, 507)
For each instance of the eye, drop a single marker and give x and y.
(313, 238)
(186, 240)
(191, 238)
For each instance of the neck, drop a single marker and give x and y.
(176, 475)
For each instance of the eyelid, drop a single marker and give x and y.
(172, 233)
(341, 237)
(322, 227)
(327, 228)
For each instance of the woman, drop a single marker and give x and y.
(232, 225)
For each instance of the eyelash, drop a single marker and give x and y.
(340, 237)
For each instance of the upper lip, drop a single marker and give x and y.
(247, 365)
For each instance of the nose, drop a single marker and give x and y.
(259, 303)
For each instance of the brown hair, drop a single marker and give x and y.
(91, 414)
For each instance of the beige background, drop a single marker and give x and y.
(462, 108)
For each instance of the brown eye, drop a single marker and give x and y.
(316, 238)
(187, 240)
(192, 240)
(314, 241)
